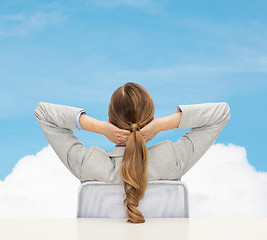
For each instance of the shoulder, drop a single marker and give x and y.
(105, 166)
(98, 153)
(97, 166)
(161, 148)
(164, 147)
(163, 153)
(162, 163)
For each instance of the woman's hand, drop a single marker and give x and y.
(150, 130)
(115, 134)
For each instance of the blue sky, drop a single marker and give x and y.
(183, 52)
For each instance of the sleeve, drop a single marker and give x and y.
(206, 121)
(57, 122)
(77, 122)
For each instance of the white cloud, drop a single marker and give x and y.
(221, 184)
(149, 6)
(39, 186)
(21, 24)
(224, 184)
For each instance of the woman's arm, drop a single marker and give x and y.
(113, 133)
(91, 124)
(160, 124)
(57, 122)
(170, 122)
(206, 121)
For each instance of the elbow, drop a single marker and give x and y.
(40, 105)
(227, 112)
(38, 110)
(37, 107)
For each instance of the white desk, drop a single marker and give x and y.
(153, 228)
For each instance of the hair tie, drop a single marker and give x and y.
(134, 127)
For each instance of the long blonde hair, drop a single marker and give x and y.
(131, 107)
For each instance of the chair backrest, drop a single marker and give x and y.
(162, 199)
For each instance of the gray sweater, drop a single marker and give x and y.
(167, 159)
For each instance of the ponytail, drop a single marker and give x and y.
(133, 172)
(131, 103)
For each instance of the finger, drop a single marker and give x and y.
(125, 132)
(124, 138)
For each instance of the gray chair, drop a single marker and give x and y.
(162, 199)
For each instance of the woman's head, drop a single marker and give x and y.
(131, 107)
